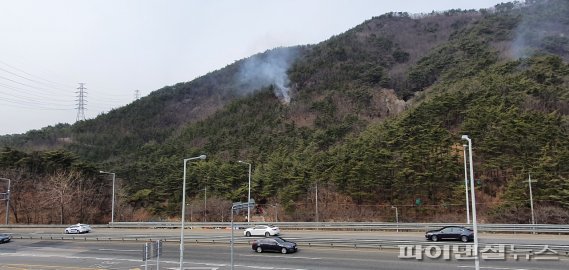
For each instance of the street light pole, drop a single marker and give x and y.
(466, 186)
(232, 209)
(205, 204)
(317, 201)
(396, 217)
(7, 198)
(276, 212)
(249, 193)
(474, 222)
(235, 206)
(113, 198)
(531, 202)
(184, 210)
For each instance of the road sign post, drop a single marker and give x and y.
(152, 250)
(238, 206)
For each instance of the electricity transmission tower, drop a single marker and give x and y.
(136, 94)
(81, 101)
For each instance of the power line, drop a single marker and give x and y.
(29, 85)
(25, 84)
(22, 89)
(30, 105)
(29, 79)
(35, 76)
(22, 92)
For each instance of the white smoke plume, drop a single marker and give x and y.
(543, 29)
(266, 69)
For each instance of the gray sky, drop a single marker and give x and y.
(118, 46)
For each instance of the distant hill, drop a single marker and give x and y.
(373, 116)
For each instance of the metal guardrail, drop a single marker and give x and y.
(358, 226)
(347, 226)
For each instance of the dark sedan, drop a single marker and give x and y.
(5, 238)
(275, 244)
(450, 233)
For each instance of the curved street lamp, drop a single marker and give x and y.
(396, 216)
(466, 185)
(184, 210)
(474, 222)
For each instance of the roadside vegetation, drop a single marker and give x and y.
(374, 121)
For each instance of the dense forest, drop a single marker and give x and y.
(369, 120)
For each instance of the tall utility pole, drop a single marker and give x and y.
(113, 199)
(136, 94)
(81, 101)
(7, 198)
(249, 193)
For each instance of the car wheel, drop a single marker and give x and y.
(267, 234)
(435, 238)
(248, 234)
(464, 238)
(283, 250)
(259, 249)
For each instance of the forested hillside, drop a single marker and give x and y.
(372, 117)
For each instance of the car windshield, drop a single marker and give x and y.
(280, 240)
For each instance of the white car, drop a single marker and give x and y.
(262, 230)
(78, 228)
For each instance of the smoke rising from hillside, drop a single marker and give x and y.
(543, 29)
(266, 69)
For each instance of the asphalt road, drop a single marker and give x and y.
(303, 236)
(57, 254)
(174, 234)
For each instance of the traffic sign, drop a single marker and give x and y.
(238, 206)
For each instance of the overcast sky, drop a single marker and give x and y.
(117, 47)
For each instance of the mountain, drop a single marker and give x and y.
(372, 116)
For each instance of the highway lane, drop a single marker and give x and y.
(56, 254)
(224, 234)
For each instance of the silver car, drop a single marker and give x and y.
(78, 228)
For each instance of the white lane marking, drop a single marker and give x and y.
(295, 257)
(267, 267)
(138, 260)
(202, 268)
(126, 250)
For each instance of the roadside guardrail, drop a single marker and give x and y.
(357, 226)
(345, 226)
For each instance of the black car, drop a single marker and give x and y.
(275, 244)
(5, 238)
(450, 233)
